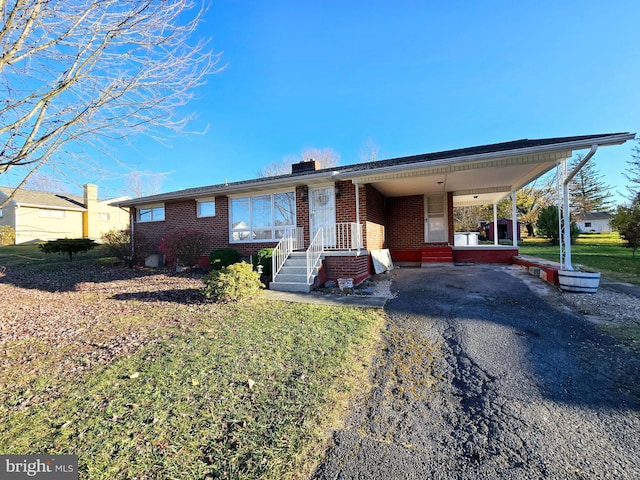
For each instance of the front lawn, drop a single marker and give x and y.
(601, 252)
(139, 378)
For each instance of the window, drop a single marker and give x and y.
(1, 213)
(587, 224)
(206, 208)
(103, 216)
(262, 217)
(45, 212)
(151, 213)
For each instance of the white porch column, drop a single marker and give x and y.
(357, 214)
(357, 203)
(495, 224)
(514, 218)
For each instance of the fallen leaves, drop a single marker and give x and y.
(57, 324)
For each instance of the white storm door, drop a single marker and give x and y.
(322, 213)
(435, 218)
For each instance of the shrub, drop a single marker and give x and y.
(224, 257)
(627, 222)
(7, 235)
(184, 247)
(234, 283)
(117, 243)
(263, 257)
(68, 246)
(548, 225)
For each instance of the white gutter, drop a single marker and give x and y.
(567, 216)
(574, 145)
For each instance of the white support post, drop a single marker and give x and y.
(357, 210)
(495, 224)
(357, 203)
(514, 218)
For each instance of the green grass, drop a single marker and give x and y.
(239, 391)
(605, 253)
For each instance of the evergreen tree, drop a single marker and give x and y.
(627, 222)
(633, 172)
(587, 191)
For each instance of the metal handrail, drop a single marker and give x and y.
(314, 252)
(292, 240)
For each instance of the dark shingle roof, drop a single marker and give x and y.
(44, 199)
(361, 167)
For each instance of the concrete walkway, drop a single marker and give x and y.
(314, 298)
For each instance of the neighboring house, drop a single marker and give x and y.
(595, 222)
(505, 229)
(325, 222)
(40, 216)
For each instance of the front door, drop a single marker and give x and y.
(322, 213)
(435, 218)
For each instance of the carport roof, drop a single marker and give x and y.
(475, 175)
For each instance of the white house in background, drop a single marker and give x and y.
(595, 222)
(41, 216)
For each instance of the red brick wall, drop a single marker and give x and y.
(405, 224)
(181, 216)
(372, 211)
(347, 267)
(346, 202)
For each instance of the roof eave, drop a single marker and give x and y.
(346, 174)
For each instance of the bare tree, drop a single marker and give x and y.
(369, 151)
(88, 72)
(140, 184)
(45, 183)
(327, 158)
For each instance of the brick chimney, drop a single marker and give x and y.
(305, 166)
(90, 226)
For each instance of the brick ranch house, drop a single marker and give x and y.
(325, 223)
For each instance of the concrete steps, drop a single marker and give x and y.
(292, 277)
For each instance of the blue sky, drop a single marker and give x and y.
(414, 76)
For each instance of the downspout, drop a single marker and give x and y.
(567, 216)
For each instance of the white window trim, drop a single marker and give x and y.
(150, 207)
(49, 213)
(272, 227)
(205, 200)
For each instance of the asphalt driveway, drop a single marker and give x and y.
(486, 374)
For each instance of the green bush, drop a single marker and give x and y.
(7, 235)
(224, 257)
(548, 225)
(234, 283)
(68, 246)
(263, 257)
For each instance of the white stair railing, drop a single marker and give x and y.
(314, 252)
(344, 236)
(292, 240)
